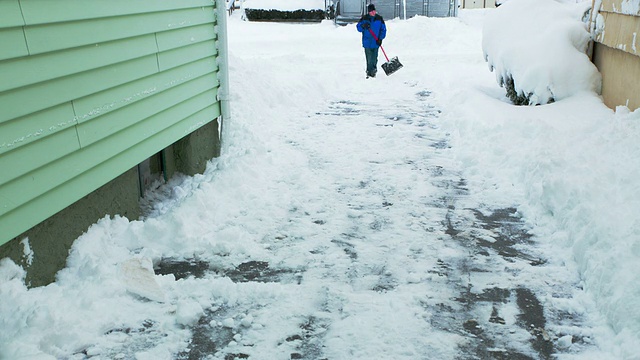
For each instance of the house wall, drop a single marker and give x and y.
(617, 53)
(390, 9)
(42, 250)
(90, 90)
(350, 11)
(477, 4)
(620, 76)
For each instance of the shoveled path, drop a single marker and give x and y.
(481, 256)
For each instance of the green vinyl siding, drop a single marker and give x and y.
(175, 57)
(118, 120)
(35, 155)
(10, 15)
(39, 68)
(50, 11)
(186, 36)
(92, 88)
(24, 130)
(22, 101)
(51, 37)
(26, 215)
(116, 97)
(46, 178)
(13, 44)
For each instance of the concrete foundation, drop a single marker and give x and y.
(49, 242)
(192, 152)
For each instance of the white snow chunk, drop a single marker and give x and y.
(229, 323)
(414, 278)
(565, 341)
(9, 271)
(246, 321)
(139, 279)
(188, 312)
(27, 251)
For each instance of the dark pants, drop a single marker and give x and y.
(372, 60)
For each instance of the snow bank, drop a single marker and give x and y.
(576, 175)
(541, 45)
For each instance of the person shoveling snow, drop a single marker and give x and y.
(373, 31)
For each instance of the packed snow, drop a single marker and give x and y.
(361, 207)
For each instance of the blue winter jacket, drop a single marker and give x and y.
(377, 25)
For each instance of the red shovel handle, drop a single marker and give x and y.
(376, 38)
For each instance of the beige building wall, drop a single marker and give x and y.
(620, 76)
(617, 53)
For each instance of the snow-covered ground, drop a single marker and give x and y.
(364, 219)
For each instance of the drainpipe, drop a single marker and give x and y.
(404, 8)
(592, 32)
(223, 65)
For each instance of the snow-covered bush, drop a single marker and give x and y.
(281, 15)
(538, 50)
(285, 10)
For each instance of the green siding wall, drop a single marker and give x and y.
(89, 89)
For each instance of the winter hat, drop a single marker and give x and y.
(371, 7)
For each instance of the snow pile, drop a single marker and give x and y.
(537, 48)
(576, 173)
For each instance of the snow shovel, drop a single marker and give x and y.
(390, 66)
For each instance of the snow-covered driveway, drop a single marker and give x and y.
(338, 224)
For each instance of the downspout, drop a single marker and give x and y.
(223, 67)
(404, 8)
(592, 32)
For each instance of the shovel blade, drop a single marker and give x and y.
(391, 66)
